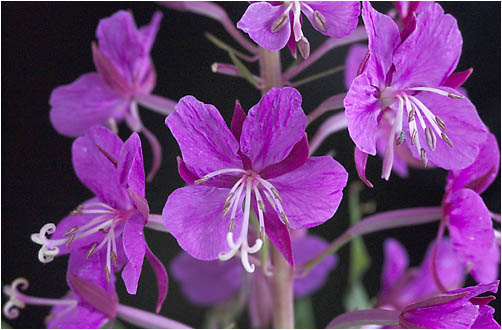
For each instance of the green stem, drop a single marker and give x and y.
(282, 280)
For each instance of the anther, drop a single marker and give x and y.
(107, 273)
(227, 201)
(71, 231)
(114, 258)
(77, 210)
(401, 138)
(423, 156)
(104, 230)
(261, 205)
(304, 47)
(276, 193)
(430, 138)
(411, 115)
(320, 21)
(279, 23)
(91, 250)
(285, 219)
(414, 136)
(201, 180)
(72, 237)
(232, 225)
(455, 96)
(440, 123)
(226, 210)
(446, 139)
(262, 234)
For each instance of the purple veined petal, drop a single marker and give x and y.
(470, 227)
(485, 319)
(149, 32)
(304, 249)
(362, 109)
(360, 159)
(296, 158)
(480, 174)
(130, 166)
(395, 263)
(273, 127)
(487, 268)
(206, 283)
(206, 143)
(340, 17)
(110, 74)
(140, 203)
(261, 303)
(354, 58)
(257, 21)
(134, 243)
(86, 102)
(382, 141)
(277, 232)
(464, 129)
(160, 275)
(473, 291)
(95, 159)
(430, 53)
(125, 46)
(311, 193)
(383, 38)
(457, 79)
(79, 317)
(194, 216)
(237, 120)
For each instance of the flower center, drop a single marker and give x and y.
(248, 184)
(416, 111)
(106, 220)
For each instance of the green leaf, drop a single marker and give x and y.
(356, 298)
(304, 314)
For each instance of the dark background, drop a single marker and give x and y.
(45, 45)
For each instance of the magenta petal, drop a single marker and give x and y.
(296, 158)
(261, 302)
(81, 317)
(237, 120)
(395, 263)
(487, 268)
(362, 109)
(160, 275)
(273, 127)
(130, 166)
(95, 159)
(431, 52)
(257, 22)
(194, 216)
(360, 158)
(109, 73)
(304, 249)
(278, 233)
(383, 38)
(206, 283)
(457, 79)
(485, 319)
(353, 61)
(135, 247)
(470, 227)
(205, 141)
(341, 16)
(465, 130)
(184, 172)
(86, 102)
(443, 316)
(482, 172)
(311, 193)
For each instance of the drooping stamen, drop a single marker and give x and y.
(430, 138)
(413, 124)
(304, 47)
(423, 156)
(440, 123)
(446, 139)
(402, 137)
(437, 91)
(216, 173)
(18, 300)
(261, 208)
(320, 21)
(280, 22)
(91, 250)
(397, 126)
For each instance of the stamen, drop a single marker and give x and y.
(297, 26)
(91, 250)
(262, 233)
(320, 21)
(72, 237)
(77, 210)
(440, 123)
(437, 91)
(446, 139)
(279, 23)
(401, 138)
(455, 96)
(414, 136)
(285, 219)
(423, 156)
(219, 172)
(107, 273)
(428, 114)
(261, 207)
(430, 138)
(232, 225)
(411, 115)
(71, 231)
(304, 47)
(114, 259)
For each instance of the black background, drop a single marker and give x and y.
(45, 45)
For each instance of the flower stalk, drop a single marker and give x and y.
(147, 320)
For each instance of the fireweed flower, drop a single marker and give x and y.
(207, 283)
(405, 81)
(125, 77)
(270, 24)
(466, 216)
(112, 221)
(402, 286)
(90, 304)
(265, 155)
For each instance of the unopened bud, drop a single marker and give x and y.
(304, 47)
